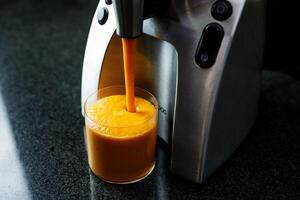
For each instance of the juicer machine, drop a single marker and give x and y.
(201, 59)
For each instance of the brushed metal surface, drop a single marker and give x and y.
(156, 71)
(98, 40)
(196, 87)
(236, 103)
(203, 133)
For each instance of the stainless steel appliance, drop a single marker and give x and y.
(200, 58)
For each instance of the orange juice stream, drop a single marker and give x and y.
(128, 57)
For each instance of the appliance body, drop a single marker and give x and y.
(204, 112)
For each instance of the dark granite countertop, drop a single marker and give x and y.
(42, 152)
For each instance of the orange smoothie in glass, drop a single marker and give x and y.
(121, 144)
(121, 128)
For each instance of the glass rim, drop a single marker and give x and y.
(155, 104)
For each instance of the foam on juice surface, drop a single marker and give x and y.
(110, 117)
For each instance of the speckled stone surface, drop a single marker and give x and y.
(41, 52)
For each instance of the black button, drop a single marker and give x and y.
(102, 16)
(221, 10)
(209, 45)
(108, 2)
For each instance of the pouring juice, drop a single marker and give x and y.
(121, 128)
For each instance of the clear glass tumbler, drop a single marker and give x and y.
(121, 154)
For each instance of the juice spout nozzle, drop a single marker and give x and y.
(129, 16)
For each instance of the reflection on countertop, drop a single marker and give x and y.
(13, 183)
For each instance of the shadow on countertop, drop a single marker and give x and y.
(41, 52)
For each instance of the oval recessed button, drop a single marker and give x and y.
(209, 45)
(102, 16)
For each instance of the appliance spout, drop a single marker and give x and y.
(129, 17)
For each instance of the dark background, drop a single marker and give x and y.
(283, 36)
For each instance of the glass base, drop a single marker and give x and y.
(126, 182)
